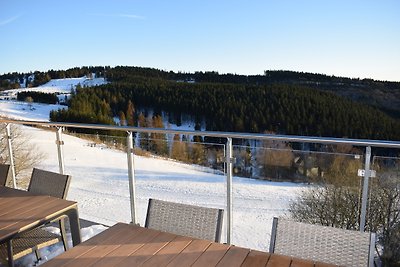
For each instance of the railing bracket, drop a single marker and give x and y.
(361, 173)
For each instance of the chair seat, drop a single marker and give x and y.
(27, 243)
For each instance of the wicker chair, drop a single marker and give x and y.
(183, 219)
(322, 243)
(4, 172)
(45, 183)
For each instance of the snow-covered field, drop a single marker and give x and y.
(100, 185)
(63, 86)
(19, 110)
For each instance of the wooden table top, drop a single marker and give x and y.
(130, 245)
(22, 210)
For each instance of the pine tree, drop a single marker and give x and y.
(130, 114)
(158, 142)
(122, 118)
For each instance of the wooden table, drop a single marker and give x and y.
(22, 211)
(130, 245)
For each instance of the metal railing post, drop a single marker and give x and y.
(229, 167)
(60, 153)
(11, 155)
(364, 199)
(131, 174)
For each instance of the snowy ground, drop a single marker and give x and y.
(100, 184)
(63, 86)
(23, 111)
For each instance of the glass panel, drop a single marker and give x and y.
(306, 185)
(99, 169)
(384, 207)
(190, 172)
(32, 147)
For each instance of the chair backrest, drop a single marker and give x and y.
(322, 243)
(4, 172)
(49, 183)
(183, 219)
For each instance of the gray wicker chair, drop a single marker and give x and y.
(322, 243)
(45, 183)
(183, 219)
(4, 174)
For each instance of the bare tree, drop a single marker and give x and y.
(335, 201)
(25, 153)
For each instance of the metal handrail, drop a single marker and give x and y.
(228, 152)
(233, 135)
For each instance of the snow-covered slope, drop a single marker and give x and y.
(40, 112)
(23, 111)
(59, 86)
(65, 85)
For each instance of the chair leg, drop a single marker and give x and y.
(63, 234)
(38, 256)
(10, 253)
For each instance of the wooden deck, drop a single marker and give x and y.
(129, 245)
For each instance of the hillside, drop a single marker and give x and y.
(385, 95)
(279, 101)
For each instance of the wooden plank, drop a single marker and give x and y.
(124, 250)
(15, 204)
(109, 243)
(132, 245)
(234, 257)
(169, 252)
(112, 234)
(277, 260)
(7, 200)
(214, 253)
(148, 250)
(39, 214)
(40, 208)
(190, 254)
(22, 215)
(256, 258)
(301, 263)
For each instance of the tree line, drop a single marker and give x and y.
(384, 95)
(40, 97)
(284, 109)
(14, 80)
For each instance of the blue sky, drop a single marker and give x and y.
(357, 39)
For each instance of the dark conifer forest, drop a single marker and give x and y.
(283, 102)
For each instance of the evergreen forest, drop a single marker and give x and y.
(283, 102)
